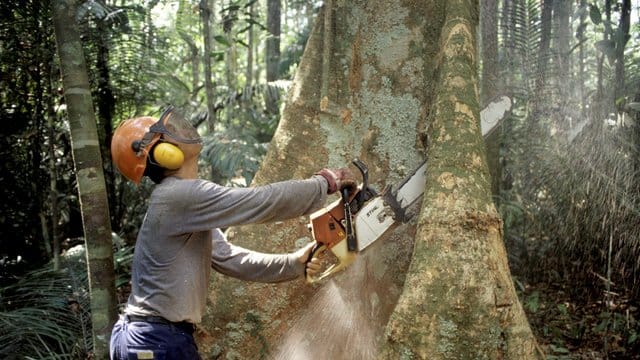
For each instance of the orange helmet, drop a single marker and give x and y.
(134, 138)
(130, 161)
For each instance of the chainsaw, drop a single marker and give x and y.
(352, 223)
(359, 218)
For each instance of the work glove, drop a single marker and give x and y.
(339, 179)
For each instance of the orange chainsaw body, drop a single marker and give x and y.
(326, 224)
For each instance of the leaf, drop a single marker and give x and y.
(217, 55)
(232, 7)
(595, 14)
(532, 302)
(563, 309)
(249, 3)
(559, 349)
(221, 40)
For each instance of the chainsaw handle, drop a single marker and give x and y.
(362, 195)
(364, 170)
(317, 249)
(341, 253)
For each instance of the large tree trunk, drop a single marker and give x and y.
(384, 81)
(89, 174)
(458, 300)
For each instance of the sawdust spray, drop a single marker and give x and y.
(346, 318)
(337, 324)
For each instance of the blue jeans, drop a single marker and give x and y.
(151, 340)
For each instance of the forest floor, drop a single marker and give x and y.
(570, 326)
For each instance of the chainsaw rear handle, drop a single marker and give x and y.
(341, 252)
(343, 248)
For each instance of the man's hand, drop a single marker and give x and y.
(339, 179)
(313, 266)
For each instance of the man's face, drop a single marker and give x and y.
(190, 150)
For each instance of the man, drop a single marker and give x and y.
(179, 240)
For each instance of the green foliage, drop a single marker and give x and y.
(28, 92)
(569, 195)
(235, 161)
(46, 315)
(242, 133)
(595, 14)
(566, 197)
(532, 302)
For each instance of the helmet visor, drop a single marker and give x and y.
(174, 125)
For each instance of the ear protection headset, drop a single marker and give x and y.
(168, 155)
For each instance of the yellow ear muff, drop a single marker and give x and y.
(168, 156)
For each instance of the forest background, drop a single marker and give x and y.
(565, 164)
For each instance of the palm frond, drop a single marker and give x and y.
(46, 315)
(42, 315)
(233, 159)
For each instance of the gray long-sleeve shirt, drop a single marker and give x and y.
(180, 241)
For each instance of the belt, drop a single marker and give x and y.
(182, 325)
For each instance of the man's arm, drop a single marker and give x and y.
(213, 206)
(250, 265)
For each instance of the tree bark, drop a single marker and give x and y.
(563, 34)
(89, 173)
(205, 14)
(250, 47)
(272, 57)
(603, 102)
(580, 35)
(385, 81)
(490, 82)
(621, 38)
